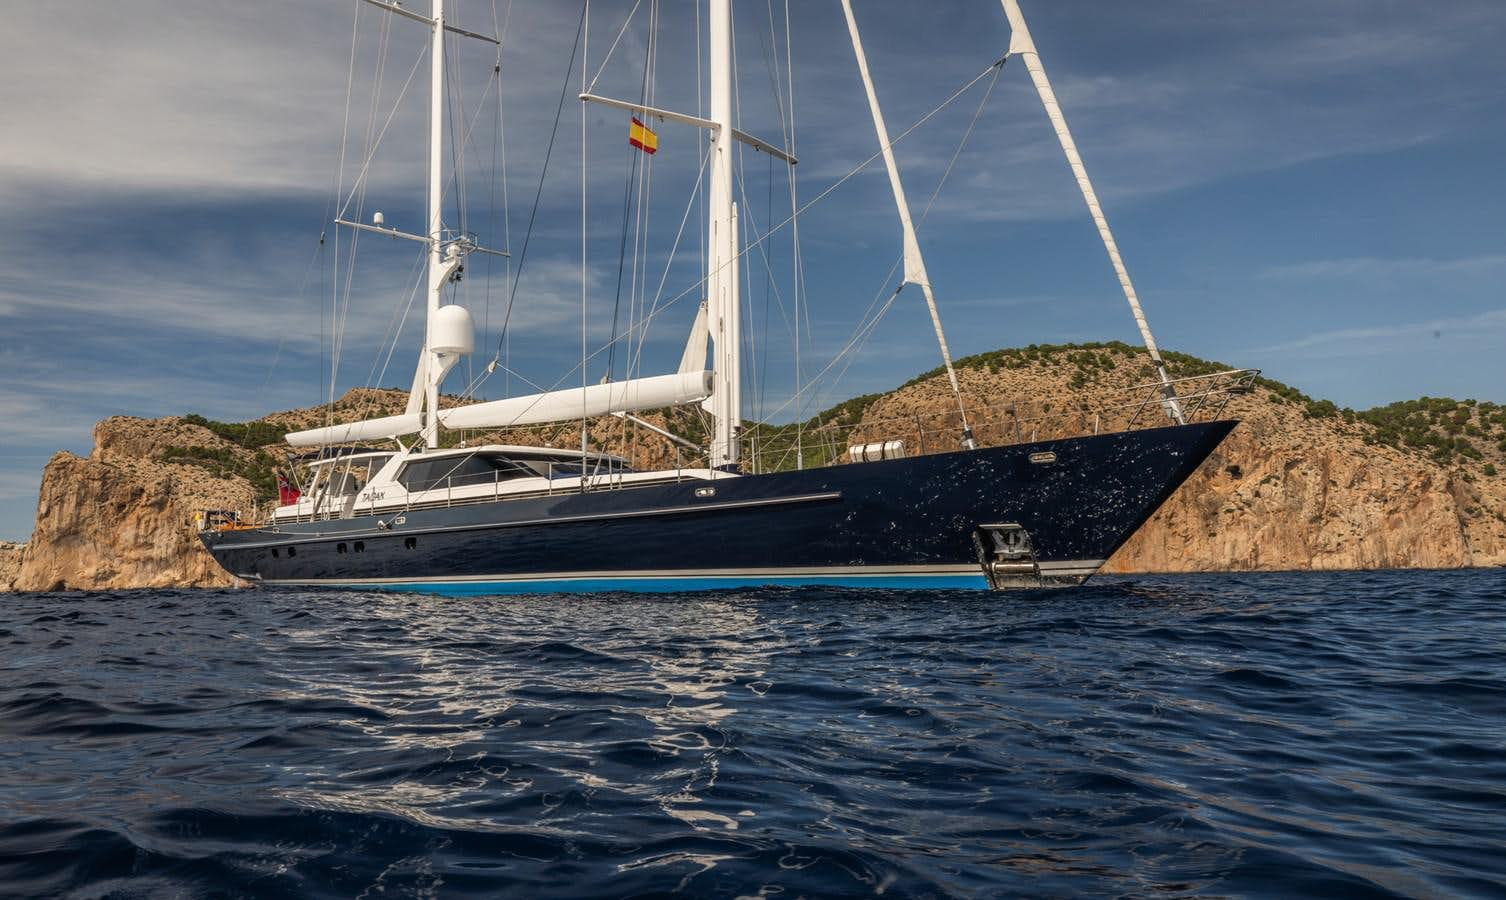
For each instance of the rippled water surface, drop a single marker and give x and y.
(1273, 735)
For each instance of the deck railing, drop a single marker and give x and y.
(598, 478)
(1090, 410)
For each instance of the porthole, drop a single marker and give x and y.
(292, 551)
(360, 546)
(340, 547)
(410, 543)
(275, 554)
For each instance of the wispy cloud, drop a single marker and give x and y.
(1489, 325)
(1372, 269)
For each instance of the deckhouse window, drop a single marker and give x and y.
(459, 471)
(571, 467)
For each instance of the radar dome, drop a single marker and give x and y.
(452, 331)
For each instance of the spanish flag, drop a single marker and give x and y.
(641, 137)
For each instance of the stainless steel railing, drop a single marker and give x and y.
(1029, 419)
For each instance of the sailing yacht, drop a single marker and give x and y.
(386, 506)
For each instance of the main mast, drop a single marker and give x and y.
(722, 256)
(436, 224)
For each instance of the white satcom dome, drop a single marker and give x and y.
(452, 331)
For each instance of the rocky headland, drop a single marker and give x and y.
(1300, 484)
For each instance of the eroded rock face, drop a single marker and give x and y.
(122, 518)
(1283, 493)
(10, 563)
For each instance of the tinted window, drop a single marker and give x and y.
(423, 475)
(571, 469)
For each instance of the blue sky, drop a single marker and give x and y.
(1312, 188)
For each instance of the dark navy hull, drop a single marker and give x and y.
(904, 522)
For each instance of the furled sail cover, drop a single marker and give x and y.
(355, 432)
(573, 403)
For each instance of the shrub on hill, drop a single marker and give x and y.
(260, 468)
(222, 462)
(243, 434)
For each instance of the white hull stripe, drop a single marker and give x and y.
(1060, 569)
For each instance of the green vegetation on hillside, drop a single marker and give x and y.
(1089, 360)
(243, 434)
(1442, 427)
(260, 468)
(222, 462)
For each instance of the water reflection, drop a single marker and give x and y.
(481, 710)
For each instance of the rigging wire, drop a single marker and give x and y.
(690, 204)
(585, 54)
(613, 48)
(359, 187)
(645, 191)
(865, 331)
(393, 332)
(826, 192)
(637, 161)
(455, 102)
(339, 187)
(697, 285)
(383, 46)
(543, 174)
(797, 258)
(498, 174)
(640, 327)
(341, 309)
(360, 179)
(303, 283)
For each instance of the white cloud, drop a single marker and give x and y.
(33, 420)
(1372, 269)
(226, 96)
(1488, 325)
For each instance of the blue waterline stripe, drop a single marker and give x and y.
(666, 585)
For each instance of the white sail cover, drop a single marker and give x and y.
(694, 358)
(354, 432)
(573, 403)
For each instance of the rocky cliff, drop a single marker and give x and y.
(1299, 485)
(10, 563)
(123, 516)
(1287, 493)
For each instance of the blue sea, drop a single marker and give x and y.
(1339, 734)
